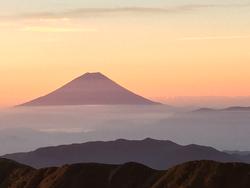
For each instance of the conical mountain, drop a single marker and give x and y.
(90, 89)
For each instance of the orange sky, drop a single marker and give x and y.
(158, 55)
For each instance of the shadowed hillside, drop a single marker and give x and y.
(197, 174)
(206, 174)
(158, 154)
(130, 175)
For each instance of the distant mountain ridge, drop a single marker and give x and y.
(157, 154)
(90, 89)
(196, 174)
(229, 109)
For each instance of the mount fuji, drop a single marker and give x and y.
(90, 89)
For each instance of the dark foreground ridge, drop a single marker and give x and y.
(157, 154)
(90, 89)
(197, 174)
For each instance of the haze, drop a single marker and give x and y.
(25, 129)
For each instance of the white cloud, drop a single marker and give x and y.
(67, 130)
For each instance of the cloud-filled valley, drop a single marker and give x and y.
(26, 129)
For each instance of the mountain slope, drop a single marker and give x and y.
(206, 174)
(196, 174)
(7, 170)
(90, 89)
(130, 175)
(156, 154)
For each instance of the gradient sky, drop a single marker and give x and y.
(158, 49)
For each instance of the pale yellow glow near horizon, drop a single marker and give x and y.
(55, 29)
(157, 57)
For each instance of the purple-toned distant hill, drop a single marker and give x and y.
(157, 154)
(90, 89)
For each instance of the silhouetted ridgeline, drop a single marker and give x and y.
(197, 174)
(157, 154)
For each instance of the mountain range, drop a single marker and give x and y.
(90, 89)
(157, 154)
(196, 174)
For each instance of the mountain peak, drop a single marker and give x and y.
(90, 89)
(93, 75)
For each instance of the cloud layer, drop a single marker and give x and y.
(84, 12)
